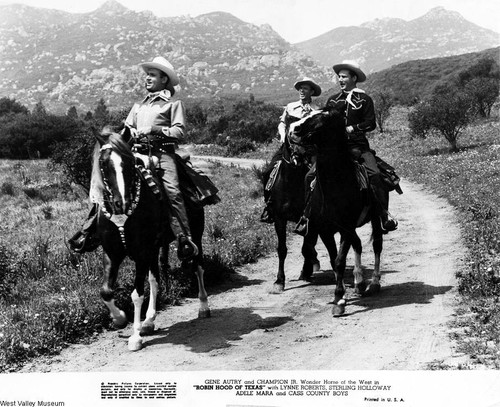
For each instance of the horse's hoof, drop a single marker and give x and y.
(306, 277)
(121, 321)
(204, 313)
(147, 328)
(277, 288)
(360, 288)
(338, 309)
(316, 267)
(373, 288)
(134, 343)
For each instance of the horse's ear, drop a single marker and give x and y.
(126, 134)
(103, 137)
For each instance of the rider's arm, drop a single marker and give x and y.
(174, 131)
(282, 126)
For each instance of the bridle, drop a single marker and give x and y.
(118, 220)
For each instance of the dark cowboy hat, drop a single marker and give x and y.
(351, 66)
(166, 67)
(311, 83)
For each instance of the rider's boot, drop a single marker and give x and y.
(389, 223)
(267, 215)
(86, 239)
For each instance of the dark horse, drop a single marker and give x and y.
(287, 200)
(338, 203)
(131, 222)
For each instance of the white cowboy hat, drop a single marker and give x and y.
(166, 67)
(351, 66)
(311, 83)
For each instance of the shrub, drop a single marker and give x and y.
(7, 188)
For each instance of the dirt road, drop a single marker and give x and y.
(403, 327)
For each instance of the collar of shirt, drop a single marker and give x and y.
(349, 94)
(162, 94)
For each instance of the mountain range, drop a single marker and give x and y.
(65, 59)
(382, 43)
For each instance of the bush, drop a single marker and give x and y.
(7, 188)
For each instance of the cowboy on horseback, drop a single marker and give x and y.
(359, 113)
(293, 112)
(158, 122)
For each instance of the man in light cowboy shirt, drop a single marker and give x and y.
(294, 111)
(360, 119)
(159, 120)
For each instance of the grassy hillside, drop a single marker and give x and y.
(415, 80)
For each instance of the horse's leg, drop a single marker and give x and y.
(310, 255)
(280, 228)
(359, 281)
(378, 240)
(148, 325)
(141, 268)
(339, 301)
(197, 225)
(204, 310)
(107, 291)
(328, 240)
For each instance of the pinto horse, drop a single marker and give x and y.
(337, 203)
(132, 222)
(287, 200)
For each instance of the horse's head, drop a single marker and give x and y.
(303, 130)
(318, 127)
(117, 166)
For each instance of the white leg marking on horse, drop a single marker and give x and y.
(358, 270)
(118, 316)
(135, 340)
(148, 326)
(204, 310)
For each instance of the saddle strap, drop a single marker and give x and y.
(147, 176)
(273, 176)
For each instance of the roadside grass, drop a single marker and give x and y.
(49, 297)
(469, 180)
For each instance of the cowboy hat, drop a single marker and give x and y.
(351, 66)
(166, 67)
(311, 83)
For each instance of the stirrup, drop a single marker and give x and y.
(186, 249)
(83, 242)
(302, 226)
(266, 216)
(390, 225)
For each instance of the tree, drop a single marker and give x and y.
(72, 113)
(383, 101)
(10, 106)
(101, 113)
(484, 92)
(448, 111)
(482, 82)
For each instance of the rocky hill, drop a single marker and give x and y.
(381, 43)
(66, 59)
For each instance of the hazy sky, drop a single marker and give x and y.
(296, 20)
